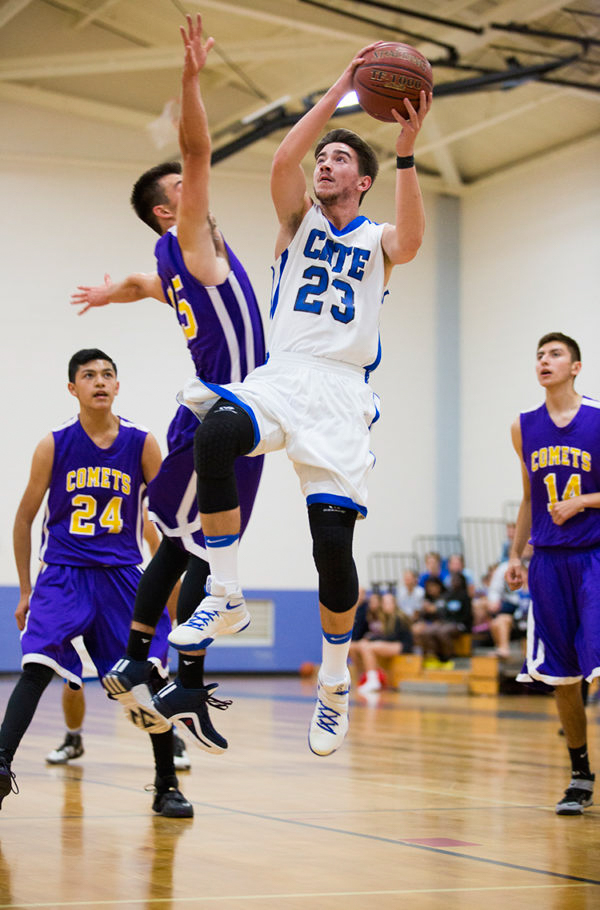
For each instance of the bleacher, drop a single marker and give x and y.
(477, 669)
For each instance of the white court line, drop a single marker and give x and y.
(293, 895)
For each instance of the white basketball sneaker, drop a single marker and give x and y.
(222, 612)
(329, 723)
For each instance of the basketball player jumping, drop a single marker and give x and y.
(311, 397)
(558, 445)
(201, 278)
(95, 469)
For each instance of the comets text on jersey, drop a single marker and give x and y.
(567, 456)
(106, 478)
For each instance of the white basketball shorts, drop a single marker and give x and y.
(320, 411)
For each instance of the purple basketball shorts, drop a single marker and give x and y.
(563, 631)
(94, 602)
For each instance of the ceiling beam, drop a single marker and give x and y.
(10, 9)
(523, 10)
(481, 125)
(50, 66)
(293, 22)
(87, 63)
(68, 104)
(95, 14)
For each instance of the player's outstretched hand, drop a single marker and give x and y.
(515, 574)
(196, 51)
(405, 144)
(89, 297)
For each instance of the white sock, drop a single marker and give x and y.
(222, 552)
(335, 657)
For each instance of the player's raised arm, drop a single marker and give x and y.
(135, 287)
(39, 481)
(195, 232)
(401, 241)
(288, 183)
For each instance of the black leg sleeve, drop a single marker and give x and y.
(192, 587)
(162, 746)
(157, 582)
(22, 705)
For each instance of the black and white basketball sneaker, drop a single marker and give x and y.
(188, 708)
(132, 683)
(578, 796)
(72, 747)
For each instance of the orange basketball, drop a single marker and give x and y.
(390, 73)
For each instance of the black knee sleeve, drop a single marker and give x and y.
(225, 433)
(332, 530)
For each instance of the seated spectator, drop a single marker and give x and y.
(507, 608)
(480, 606)
(430, 611)
(446, 614)
(366, 604)
(456, 563)
(381, 631)
(433, 567)
(410, 594)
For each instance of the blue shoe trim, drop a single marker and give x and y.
(195, 647)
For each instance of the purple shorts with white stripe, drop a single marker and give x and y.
(172, 493)
(94, 602)
(563, 631)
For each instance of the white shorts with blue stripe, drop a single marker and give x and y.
(319, 410)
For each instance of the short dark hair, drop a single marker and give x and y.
(367, 159)
(85, 356)
(148, 192)
(564, 339)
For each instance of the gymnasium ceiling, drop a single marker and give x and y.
(515, 79)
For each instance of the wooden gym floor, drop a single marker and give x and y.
(433, 802)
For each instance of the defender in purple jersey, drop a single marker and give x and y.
(94, 470)
(201, 278)
(558, 445)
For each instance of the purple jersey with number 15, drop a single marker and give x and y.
(563, 462)
(94, 515)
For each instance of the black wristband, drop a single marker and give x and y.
(406, 161)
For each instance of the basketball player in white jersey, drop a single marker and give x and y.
(312, 396)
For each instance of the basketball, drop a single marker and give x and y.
(390, 73)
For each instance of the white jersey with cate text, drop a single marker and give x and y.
(328, 288)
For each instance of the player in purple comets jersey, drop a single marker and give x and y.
(95, 469)
(558, 445)
(210, 292)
